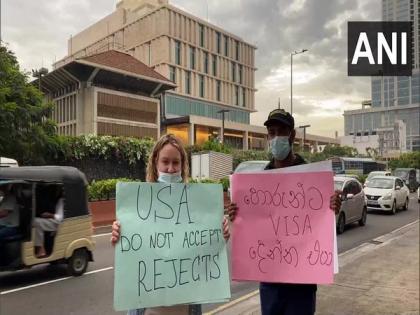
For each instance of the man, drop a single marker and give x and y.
(9, 213)
(48, 222)
(285, 298)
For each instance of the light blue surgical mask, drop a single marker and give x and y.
(280, 147)
(169, 177)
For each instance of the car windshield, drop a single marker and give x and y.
(373, 174)
(250, 167)
(382, 183)
(401, 174)
(338, 184)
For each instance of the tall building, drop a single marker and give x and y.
(213, 69)
(394, 99)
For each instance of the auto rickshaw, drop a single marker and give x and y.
(33, 188)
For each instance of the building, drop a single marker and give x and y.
(213, 69)
(393, 98)
(110, 93)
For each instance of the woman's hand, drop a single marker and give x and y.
(115, 236)
(335, 201)
(231, 211)
(225, 228)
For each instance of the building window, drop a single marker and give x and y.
(237, 50)
(214, 65)
(236, 95)
(201, 78)
(233, 72)
(243, 97)
(172, 74)
(188, 82)
(226, 46)
(218, 90)
(192, 57)
(201, 35)
(178, 52)
(206, 62)
(149, 46)
(218, 42)
(240, 74)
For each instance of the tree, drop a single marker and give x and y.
(345, 151)
(411, 160)
(26, 131)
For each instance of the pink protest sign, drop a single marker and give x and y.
(282, 232)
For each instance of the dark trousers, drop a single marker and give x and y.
(287, 299)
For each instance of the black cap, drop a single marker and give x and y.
(280, 116)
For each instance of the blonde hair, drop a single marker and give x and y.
(152, 172)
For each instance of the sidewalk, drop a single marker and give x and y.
(377, 278)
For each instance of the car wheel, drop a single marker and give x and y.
(406, 204)
(78, 262)
(394, 208)
(362, 221)
(341, 223)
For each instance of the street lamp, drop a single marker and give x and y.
(291, 77)
(304, 135)
(223, 111)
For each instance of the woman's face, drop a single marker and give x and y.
(169, 160)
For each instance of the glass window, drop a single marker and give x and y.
(188, 82)
(214, 65)
(206, 62)
(192, 57)
(237, 50)
(236, 95)
(240, 74)
(218, 90)
(201, 78)
(201, 35)
(226, 45)
(218, 42)
(177, 52)
(243, 97)
(172, 75)
(233, 72)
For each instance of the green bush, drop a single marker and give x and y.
(102, 147)
(225, 182)
(104, 189)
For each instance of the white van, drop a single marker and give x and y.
(6, 162)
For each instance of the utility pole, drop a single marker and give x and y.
(0, 21)
(223, 111)
(291, 76)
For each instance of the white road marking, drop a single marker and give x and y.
(52, 281)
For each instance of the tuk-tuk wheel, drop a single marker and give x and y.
(78, 262)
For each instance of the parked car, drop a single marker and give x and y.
(251, 166)
(6, 162)
(387, 193)
(408, 175)
(418, 194)
(353, 205)
(349, 176)
(376, 173)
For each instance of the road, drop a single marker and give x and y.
(48, 290)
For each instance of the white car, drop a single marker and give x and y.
(376, 173)
(353, 205)
(387, 193)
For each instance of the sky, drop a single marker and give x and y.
(38, 30)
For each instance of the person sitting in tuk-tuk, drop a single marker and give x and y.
(48, 222)
(9, 213)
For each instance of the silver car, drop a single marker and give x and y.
(353, 205)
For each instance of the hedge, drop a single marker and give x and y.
(104, 189)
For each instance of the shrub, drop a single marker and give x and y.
(104, 189)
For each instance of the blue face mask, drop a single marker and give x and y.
(280, 147)
(169, 177)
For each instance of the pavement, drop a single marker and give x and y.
(379, 277)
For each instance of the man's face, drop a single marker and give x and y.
(278, 130)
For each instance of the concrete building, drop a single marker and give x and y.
(213, 70)
(393, 98)
(110, 93)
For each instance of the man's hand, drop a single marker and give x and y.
(231, 211)
(47, 215)
(3, 213)
(335, 201)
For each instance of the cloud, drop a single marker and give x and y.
(38, 31)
